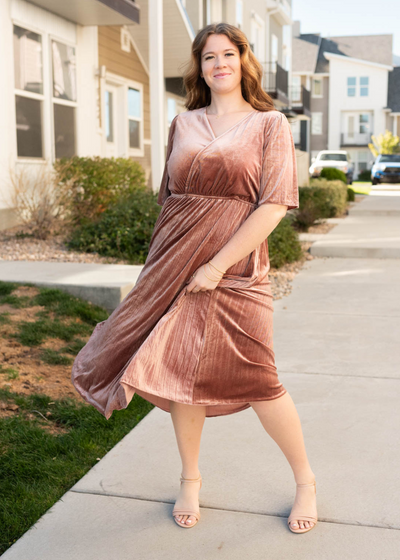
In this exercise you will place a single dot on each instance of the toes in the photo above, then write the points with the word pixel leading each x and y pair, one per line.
pixel 189 520
pixel 294 524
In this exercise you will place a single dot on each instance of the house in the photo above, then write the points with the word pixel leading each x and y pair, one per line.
pixel 349 82
pixel 97 79
pixel 393 103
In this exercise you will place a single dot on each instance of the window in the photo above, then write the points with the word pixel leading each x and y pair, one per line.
pixel 351 126
pixel 316 123
pixel 364 122
pixel 296 88
pixel 171 109
pixel 28 70
pixel 351 87
pixel 134 117
pixel 295 126
pixel 317 87
pixel 364 84
pixel 333 157
pixel 64 98
pixel 274 52
pixel 31 118
pixel 109 116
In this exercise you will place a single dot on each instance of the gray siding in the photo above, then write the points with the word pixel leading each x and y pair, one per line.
pixel 321 105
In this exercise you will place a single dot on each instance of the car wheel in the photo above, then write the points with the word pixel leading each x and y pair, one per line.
pixel 375 182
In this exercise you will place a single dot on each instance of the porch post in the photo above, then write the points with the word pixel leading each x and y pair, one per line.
pixel 157 87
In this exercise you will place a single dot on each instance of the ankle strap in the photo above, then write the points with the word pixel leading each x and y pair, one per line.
pixel 190 479
pixel 310 484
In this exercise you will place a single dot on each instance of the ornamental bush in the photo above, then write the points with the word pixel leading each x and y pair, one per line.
pixel 351 195
pixel 364 175
pixel 123 230
pixel 91 185
pixel 283 244
pixel 333 174
pixel 322 199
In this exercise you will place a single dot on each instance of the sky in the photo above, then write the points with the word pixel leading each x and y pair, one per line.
pixel 349 17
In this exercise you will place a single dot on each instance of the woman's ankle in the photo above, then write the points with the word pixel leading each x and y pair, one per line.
pixel 304 477
pixel 192 474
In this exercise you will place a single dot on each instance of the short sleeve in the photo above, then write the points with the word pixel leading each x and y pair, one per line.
pixel 164 191
pixel 279 167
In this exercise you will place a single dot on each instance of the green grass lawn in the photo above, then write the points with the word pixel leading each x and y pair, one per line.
pixel 361 187
pixel 47 444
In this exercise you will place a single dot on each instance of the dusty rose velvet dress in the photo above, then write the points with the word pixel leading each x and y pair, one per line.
pixel 212 348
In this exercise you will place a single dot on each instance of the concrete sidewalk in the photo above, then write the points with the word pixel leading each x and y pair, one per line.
pixel 101 284
pixel 337 353
pixel 371 230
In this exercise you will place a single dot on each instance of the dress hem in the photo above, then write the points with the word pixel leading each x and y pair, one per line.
pixel 246 404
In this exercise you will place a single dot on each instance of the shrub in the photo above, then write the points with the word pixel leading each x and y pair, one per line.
pixel 322 199
pixel 283 244
pixel 123 230
pixel 333 174
pixel 35 199
pixel 364 175
pixel 91 185
pixel 351 195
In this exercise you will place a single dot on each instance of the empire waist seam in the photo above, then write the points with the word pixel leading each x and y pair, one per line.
pixel 180 195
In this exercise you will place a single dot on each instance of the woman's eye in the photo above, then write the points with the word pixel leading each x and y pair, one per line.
pixel 227 54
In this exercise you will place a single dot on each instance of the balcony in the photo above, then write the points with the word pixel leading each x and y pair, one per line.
pixel 300 100
pixel 94 12
pixel 281 9
pixel 355 139
pixel 275 81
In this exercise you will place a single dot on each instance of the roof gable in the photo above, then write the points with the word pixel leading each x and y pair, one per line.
pixel 308 50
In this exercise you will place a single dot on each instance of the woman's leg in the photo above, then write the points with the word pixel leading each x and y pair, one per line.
pixel 188 421
pixel 281 421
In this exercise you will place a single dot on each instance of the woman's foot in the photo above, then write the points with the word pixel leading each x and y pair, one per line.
pixel 305 502
pixel 188 498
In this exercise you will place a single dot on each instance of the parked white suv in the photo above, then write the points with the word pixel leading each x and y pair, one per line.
pixel 339 159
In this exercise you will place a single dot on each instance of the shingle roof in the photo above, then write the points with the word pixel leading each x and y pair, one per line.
pixel 308 50
pixel 305 52
pixel 394 90
pixel 330 46
pixel 374 48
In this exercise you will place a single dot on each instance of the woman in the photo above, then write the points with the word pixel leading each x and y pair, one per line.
pixel 194 336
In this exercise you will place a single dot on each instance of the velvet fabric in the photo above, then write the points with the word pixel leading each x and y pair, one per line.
pixel 212 348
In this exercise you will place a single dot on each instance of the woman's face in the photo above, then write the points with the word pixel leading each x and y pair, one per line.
pixel 220 64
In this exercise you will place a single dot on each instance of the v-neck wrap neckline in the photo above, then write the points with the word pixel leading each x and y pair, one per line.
pixel 229 129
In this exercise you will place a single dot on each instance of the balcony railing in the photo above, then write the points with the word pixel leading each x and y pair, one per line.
pixel 355 138
pixel 300 97
pixel 275 80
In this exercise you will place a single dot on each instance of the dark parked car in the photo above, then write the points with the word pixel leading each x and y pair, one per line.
pixel 386 169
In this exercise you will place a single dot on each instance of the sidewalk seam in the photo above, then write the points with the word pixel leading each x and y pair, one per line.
pixel 320 520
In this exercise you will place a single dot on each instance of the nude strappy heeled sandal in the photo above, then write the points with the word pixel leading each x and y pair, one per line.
pixel 195 514
pixel 299 517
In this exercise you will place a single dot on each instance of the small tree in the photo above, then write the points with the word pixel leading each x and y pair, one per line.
pixel 385 144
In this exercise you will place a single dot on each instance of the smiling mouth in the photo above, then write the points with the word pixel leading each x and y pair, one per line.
pixel 221 75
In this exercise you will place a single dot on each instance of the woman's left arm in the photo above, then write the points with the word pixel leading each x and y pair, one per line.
pixel 254 230
pixel 278 193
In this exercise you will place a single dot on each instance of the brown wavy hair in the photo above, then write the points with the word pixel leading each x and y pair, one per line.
pixel 198 94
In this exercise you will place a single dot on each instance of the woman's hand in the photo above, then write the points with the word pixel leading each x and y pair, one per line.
pixel 200 282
